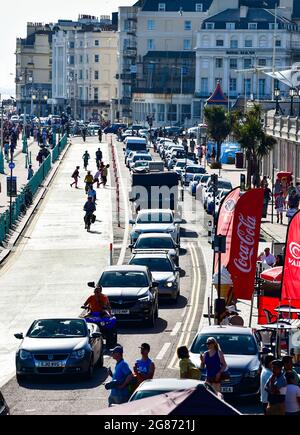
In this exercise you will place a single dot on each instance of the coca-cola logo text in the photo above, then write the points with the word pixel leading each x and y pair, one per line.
pixel 295 250
pixel 246 234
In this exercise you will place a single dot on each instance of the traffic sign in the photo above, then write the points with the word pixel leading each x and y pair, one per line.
pixel 11 165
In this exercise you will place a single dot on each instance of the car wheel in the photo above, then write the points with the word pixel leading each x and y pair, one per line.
pixel 100 361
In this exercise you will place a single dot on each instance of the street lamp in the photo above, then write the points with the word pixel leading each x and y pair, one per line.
pixel 30 80
pixel 292 93
pixel 277 95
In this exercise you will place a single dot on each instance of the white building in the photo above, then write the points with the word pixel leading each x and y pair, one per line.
pixel 85 68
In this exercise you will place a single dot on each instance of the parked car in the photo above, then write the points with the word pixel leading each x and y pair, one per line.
pixel 4 409
pixel 195 181
pixel 157 242
pixel 131 155
pixel 180 166
pixel 132 293
pixel 241 351
pixel 59 347
pixel 208 190
pixel 188 174
pixel 155 387
pixel 140 167
pixel 138 157
pixel 155 221
pixel 163 270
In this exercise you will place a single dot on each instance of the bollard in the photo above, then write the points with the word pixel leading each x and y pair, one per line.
pixel 111 254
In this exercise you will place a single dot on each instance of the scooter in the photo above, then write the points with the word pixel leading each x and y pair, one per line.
pixel 107 325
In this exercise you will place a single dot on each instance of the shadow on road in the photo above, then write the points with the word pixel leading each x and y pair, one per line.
pixel 165 304
pixel 66 382
pixel 190 235
pixel 161 326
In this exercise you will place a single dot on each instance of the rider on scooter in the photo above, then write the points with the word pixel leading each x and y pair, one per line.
pixel 98 302
pixel 89 209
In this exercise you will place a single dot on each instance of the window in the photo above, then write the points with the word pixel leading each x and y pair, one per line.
pixel 247 86
pixel 87 58
pixel 248 43
pixel 162 7
pixel 272 26
pixel 199 7
pixel 219 62
pixel 263 43
pixel 204 85
pixel 87 74
pixel 187 25
pixel 150 44
pixel 219 43
pixel 96 42
pixel 234 43
pixel 50 75
pixel 71 44
pixel 252 26
pixel 187 44
pixel 71 60
pixel 247 63
pixel 81 59
pixel 205 63
pixel 81 93
pixel 233 64
pixel 151 25
pixel 232 85
pixel 262 87
pixel 278 43
pixel 96 58
pixel 262 62
pixel 230 26
pixel 96 94
pixel 80 74
pixel 96 75
pixel 81 43
pixel 161 112
pixel 209 26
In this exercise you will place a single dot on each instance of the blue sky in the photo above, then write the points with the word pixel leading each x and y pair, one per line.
pixel 14 16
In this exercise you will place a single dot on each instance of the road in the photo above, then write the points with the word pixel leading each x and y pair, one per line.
pixel 47 275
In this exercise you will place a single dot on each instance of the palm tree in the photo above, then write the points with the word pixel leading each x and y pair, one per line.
pixel 219 125
pixel 249 132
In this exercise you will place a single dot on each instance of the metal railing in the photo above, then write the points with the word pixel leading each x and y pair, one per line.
pixel 24 198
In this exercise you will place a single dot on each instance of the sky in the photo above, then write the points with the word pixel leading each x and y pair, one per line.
pixel 14 17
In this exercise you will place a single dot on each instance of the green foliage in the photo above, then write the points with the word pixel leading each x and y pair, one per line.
pixel 219 125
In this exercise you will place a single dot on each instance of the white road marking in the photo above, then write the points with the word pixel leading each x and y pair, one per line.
pixel 164 350
pixel 176 329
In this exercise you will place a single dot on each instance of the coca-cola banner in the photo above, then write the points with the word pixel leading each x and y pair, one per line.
pixel 225 223
pixel 244 244
pixel 291 270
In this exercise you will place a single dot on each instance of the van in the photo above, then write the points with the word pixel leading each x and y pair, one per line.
pixel 133 143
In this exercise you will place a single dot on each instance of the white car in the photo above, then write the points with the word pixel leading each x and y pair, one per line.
pixel 137 157
pixel 188 174
pixel 129 159
pixel 155 221
pixel 15 118
pixel 180 166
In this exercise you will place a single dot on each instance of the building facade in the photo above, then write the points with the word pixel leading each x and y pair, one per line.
pixel 235 46
pixel 85 68
pixel 34 70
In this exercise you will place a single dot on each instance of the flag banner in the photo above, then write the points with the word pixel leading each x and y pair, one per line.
pixel 291 270
pixel 244 243
pixel 267 306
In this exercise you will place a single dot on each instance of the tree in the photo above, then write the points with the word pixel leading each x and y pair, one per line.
pixel 219 125
pixel 249 132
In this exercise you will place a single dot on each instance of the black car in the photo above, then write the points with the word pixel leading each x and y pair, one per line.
pixel 173 131
pixel 4 409
pixel 113 129
pixel 132 293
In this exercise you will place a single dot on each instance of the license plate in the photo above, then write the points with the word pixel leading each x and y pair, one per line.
pixel 124 312
pixel 51 364
pixel 226 389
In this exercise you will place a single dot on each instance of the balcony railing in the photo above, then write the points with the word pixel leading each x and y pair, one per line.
pixel 283 127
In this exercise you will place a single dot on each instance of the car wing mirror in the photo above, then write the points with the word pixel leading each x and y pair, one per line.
pixel 19 336
pixel 91 284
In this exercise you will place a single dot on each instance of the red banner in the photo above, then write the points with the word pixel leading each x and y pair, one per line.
pixel 244 244
pixel 291 270
pixel 225 223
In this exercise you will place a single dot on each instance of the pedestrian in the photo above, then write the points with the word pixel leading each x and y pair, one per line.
pixel 277 188
pixel 279 207
pixel 267 197
pixel 292 397
pixel 93 194
pixel 297 188
pixel 144 367
pixel 291 188
pixel 89 208
pixel 276 388
pixel 89 180
pixel 213 155
pixel 265 375
pixel 97 178
pixel 40 157
pixel 6 149
pixel 121 378
pixel 200 153
pixel 99 156
pixel 75 175
pixel 264 182
pixel 100 135
pixel 192 146
pixel 86 157
pixel 104 174
pixel 188 370
pixel 30 172
pixel 215 364
pixel 288 368
pixel 293 205
pixel 279 261
pixel 267 258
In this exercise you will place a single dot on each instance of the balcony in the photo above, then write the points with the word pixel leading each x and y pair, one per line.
pixel 130 52
pixel 93 103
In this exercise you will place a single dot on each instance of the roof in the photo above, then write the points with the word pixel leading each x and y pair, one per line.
pixel 175 5
pixel 218 97
pixel 151 254
pixel 158 235
pixel 296 11
pixel 126 268
pixel 215 329
pixel 168 384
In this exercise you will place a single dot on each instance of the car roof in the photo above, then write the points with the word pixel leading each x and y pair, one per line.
pixel 151 255
pixel 136 139
pixel 126 268
pixel 215 329
pixel 194 166
pixel 155 235
pixel 168 384
pixel 156 211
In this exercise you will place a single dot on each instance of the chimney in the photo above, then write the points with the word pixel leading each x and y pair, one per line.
pixel 243 11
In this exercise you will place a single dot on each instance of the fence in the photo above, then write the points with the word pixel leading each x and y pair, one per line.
pixel 24 198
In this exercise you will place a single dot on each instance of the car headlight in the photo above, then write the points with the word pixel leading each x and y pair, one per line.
pixel 78 354
pixel 145 299
pixel 24 355
pixel 170 284
pixel 252 374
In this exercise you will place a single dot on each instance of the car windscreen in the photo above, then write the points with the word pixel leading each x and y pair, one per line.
pixel 180 165
pixel 204 178
pixel 143 157
pixel 195 170
pixel 154 264
pixel 155 243
pixel 136 146
pixel 141 163
pixel 124 279
pixel 155 218
pixel 224 185
pixel 230 344
pixel 143 394
pixel 57 329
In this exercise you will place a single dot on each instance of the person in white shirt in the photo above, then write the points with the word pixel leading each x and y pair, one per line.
pixel 268 258
pixel 265 375
pixel 292 397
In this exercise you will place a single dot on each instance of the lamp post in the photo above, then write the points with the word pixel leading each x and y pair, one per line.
pixel 292 93
pixel 30 79
pixel 2 134
pixel 277 95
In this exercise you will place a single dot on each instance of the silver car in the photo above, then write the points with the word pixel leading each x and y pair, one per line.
pixel 59 347
pixel 157 242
